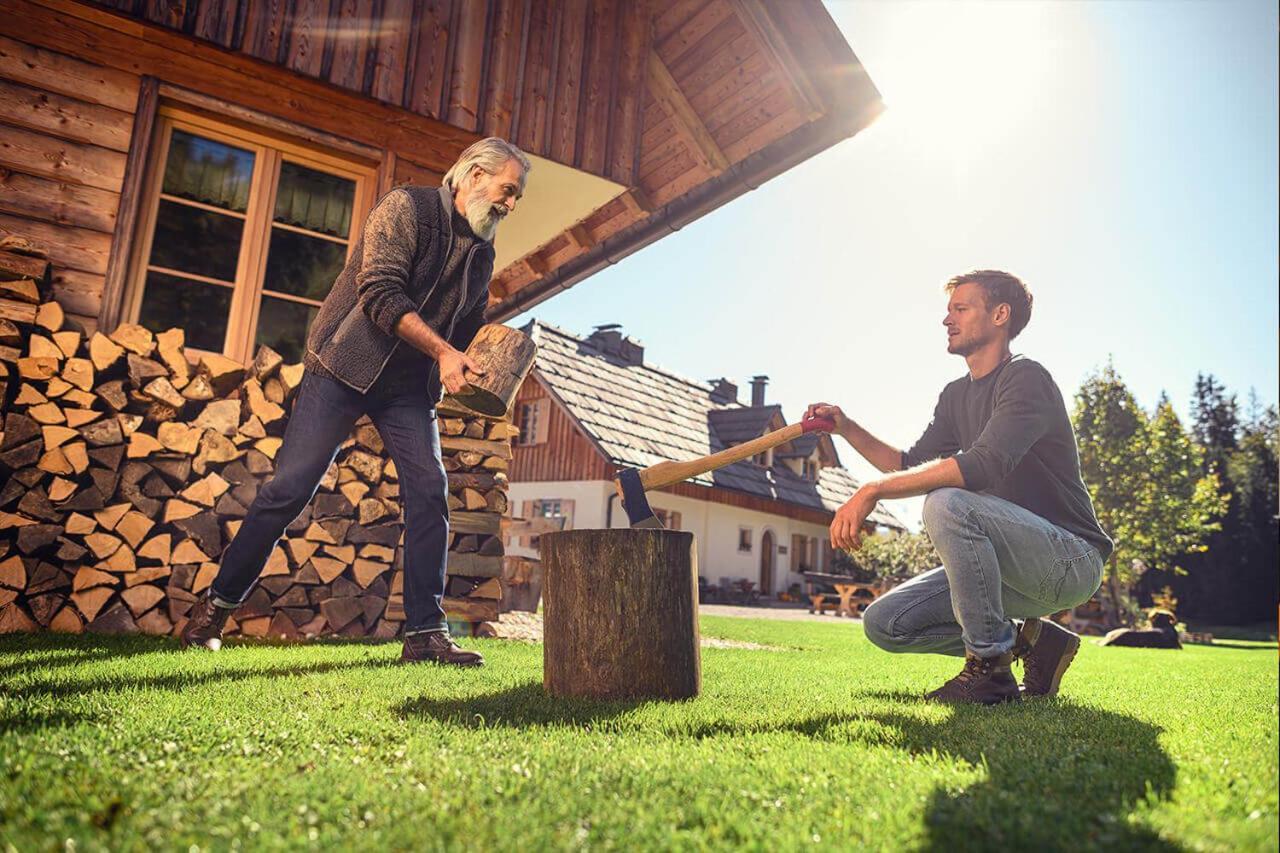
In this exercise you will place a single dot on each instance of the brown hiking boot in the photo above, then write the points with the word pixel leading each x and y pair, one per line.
pixel 984 681
pixel 1046 650
pixel 437 647
pixel 204 624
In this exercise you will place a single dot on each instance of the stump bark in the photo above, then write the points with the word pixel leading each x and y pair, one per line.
pixel 620 614
pixel 506 355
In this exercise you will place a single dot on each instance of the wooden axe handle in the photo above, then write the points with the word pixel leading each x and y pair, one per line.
pixel 669 473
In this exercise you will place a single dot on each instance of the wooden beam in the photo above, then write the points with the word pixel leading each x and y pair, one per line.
pixel 759 22
pixel 82 30
pixel 144 119
pixel 688 124
pixel 538 264
pixel 581 237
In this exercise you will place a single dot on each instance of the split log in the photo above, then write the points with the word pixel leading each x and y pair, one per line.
pixel 506 354
pixel 620 614
pixel 134 338
pixel 104 352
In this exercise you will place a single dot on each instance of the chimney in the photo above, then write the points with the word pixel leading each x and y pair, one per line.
pixel 757 390
pixel 723 391
pixel 610 340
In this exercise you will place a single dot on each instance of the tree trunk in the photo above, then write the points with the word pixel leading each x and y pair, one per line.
pixel 621 614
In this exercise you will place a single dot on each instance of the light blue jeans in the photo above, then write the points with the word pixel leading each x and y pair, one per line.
pixel 999 561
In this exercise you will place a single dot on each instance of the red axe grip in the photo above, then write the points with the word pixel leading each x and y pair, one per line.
pixel 817 425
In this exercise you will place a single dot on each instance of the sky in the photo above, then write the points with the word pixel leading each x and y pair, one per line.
pixel 1120 157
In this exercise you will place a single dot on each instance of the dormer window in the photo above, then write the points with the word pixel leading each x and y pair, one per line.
pixel 809 470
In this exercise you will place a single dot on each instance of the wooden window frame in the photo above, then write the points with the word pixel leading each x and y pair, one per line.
pixel 541 408
pixel 270 151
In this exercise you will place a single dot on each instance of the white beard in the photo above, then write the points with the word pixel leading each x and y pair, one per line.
pixel 483 217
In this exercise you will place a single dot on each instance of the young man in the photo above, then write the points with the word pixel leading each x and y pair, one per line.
pixel 1005 507
pixel 392 330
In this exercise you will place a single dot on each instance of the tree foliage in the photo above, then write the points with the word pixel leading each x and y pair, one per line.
pixel 1146 478
pixel 898 555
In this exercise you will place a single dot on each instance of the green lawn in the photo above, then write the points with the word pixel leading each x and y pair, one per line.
pixel 125 743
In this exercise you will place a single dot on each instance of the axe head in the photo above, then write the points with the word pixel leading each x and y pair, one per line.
pixel 634 500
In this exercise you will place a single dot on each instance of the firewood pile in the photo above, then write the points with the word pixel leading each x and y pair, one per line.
pixel 127 469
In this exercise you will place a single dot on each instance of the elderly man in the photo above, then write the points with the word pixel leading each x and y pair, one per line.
pixel 391 332
pixel 1005 507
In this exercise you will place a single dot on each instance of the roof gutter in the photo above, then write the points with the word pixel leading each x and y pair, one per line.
pixel 745 175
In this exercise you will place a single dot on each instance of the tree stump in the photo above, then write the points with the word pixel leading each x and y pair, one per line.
pixel 506 355
pixel 620 614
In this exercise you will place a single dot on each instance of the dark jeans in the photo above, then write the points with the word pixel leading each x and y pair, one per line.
pixel 323 415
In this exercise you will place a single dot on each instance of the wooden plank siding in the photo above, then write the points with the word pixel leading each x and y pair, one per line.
pixel 488 68
pixel 415 81
pixel 65 126
pixel 566 454
pixel 740 71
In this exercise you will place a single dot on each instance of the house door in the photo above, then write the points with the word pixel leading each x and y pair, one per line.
pixel 766 563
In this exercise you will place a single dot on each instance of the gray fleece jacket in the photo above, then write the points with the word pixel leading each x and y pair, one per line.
pixel 395 268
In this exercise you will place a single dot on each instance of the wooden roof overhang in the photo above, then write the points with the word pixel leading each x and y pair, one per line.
pixel 644 115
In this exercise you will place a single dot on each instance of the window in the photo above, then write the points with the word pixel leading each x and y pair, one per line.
pixel 532 421
pixel 810 470
pixel 547 509
pixel 561 508
pixel 241 235
pixel 669 519
pixel 744 538
pixel 800 558
pixel 764 459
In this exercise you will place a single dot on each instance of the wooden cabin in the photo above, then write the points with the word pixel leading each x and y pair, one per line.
pixel 207 163
pixel 592 405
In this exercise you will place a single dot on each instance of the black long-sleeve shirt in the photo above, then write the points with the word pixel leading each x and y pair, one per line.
pixel 1010 434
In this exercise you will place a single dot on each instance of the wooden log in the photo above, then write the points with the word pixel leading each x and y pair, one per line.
pixel 104 352
pixel 500 449
pixel 506 355
pixel 620 614
pixel 15 266
pixel 470 610
pixel 222 373
pixel 134 338
pixel 487 523
pixel 22 290
pixel 13 619
pixel 474 565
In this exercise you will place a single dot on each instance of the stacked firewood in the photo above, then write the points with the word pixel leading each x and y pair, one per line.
pixel 127 469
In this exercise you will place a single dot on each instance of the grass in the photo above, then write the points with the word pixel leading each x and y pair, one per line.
pixel 125 743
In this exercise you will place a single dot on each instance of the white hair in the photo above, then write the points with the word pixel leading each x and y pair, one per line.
pixel 489 154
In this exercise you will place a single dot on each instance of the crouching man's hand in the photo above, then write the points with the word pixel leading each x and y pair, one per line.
pixel 826 410
pixel 452 366
pixel 846 527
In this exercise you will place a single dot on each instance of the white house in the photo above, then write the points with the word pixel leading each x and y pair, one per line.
pixel 592 405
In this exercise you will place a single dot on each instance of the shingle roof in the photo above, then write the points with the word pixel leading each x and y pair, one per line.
pixel 734 426
pixel 640 414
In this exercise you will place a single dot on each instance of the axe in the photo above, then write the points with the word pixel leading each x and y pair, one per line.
pixel 632 483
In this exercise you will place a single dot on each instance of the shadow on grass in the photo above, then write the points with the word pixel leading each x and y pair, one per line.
pixel 523 706
pixel 75 650
pixel 1057 775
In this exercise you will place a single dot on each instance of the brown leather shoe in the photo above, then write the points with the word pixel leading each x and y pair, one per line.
pixel 204 624
pixel 983 681
pixel 1046 650
pixel 438 647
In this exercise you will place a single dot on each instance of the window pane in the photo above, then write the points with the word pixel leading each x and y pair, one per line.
pixel 315 200
pixel 207 171
pixel 302 266
pixel 283 325
pixel 199 309
pixel 196 241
